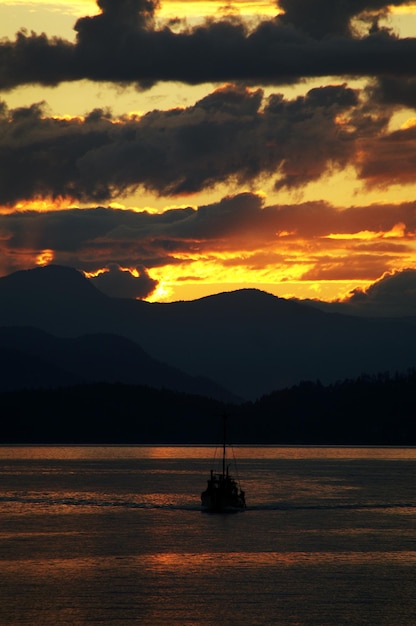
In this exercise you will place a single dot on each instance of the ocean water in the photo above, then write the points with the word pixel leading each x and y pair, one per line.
pixel 115 536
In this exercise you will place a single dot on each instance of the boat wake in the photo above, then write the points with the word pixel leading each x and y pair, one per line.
pixel 332 506
pixel 179 506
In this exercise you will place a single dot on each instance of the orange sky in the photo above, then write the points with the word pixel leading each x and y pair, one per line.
pixel 208 176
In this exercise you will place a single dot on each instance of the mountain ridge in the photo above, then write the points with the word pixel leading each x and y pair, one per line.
pixel 37 359
pixel 248 341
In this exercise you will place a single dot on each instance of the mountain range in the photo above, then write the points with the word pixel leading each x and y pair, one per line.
pixel 33 359
pixel 57 329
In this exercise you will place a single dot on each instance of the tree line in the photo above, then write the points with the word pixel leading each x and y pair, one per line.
pixel 368 410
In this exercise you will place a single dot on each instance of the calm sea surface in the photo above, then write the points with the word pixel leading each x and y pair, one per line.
pixel 115 535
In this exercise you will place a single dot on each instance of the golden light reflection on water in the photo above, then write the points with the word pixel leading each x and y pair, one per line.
pixel 203 452
pixel 223 560
pixel 210 561
pixel 88 535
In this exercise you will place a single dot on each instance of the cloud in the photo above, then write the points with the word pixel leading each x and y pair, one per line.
pixel 232 135
pixel 393 295
pixel 130 15
pixel 122 45
pixel 119 283
pixel 33 58
pixel 321 18
pixel 389 159
pixel 136 238
pixel 238 231
pixel 235 135
pixel 393 90
pixel 93 238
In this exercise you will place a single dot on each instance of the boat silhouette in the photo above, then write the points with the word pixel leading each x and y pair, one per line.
pixel 223 493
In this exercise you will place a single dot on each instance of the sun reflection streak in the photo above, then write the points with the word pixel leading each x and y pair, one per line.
pixel 188 562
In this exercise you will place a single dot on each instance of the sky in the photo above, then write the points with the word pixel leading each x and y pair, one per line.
pixel 172 150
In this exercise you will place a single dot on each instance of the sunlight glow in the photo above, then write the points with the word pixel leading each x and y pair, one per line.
pixel 169 9
pixel 77 8
pixel 327 291
pixel 398 231
pixel 208 272
pixel 409 123
pixel 45 257
pixel 40 205
pixel 199 10
pixel 408 8
pixel 95 273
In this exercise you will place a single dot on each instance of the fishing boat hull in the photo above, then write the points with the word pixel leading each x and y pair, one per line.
pixel 221 505
pixel 222 495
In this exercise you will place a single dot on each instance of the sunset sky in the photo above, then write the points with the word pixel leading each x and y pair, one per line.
pixel 177 149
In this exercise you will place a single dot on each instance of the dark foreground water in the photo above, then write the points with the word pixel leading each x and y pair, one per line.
pixel 115 536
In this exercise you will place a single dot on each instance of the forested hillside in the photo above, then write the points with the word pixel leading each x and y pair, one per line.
pixel 369 410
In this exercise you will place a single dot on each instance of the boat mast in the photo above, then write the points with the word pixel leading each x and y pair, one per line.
pixel 224 444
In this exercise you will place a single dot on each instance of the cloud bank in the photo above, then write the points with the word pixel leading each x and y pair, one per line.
pixel 238 231
pixel 233 135
pixel 121 44
pixel 241 134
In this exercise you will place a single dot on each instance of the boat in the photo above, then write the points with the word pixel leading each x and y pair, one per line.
pixel 223 493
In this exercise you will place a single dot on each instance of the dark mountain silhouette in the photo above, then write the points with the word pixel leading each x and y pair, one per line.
pixel 21 370
pixel 248 341
pixel 31 358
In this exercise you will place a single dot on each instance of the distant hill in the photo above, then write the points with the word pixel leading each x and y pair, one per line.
pixel 248 342
pixel 31 358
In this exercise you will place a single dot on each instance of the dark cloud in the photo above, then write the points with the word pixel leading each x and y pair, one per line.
pixel 91 239
pixel 389 159
pixel 143 235
pixel 394 91
pixel 230 217
pixel 119 283
pixel 321 18
pixel 122 45
pixel 33 58
pixel 392 295
pixel 231 135
pixel 126 15
pixel 39 154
